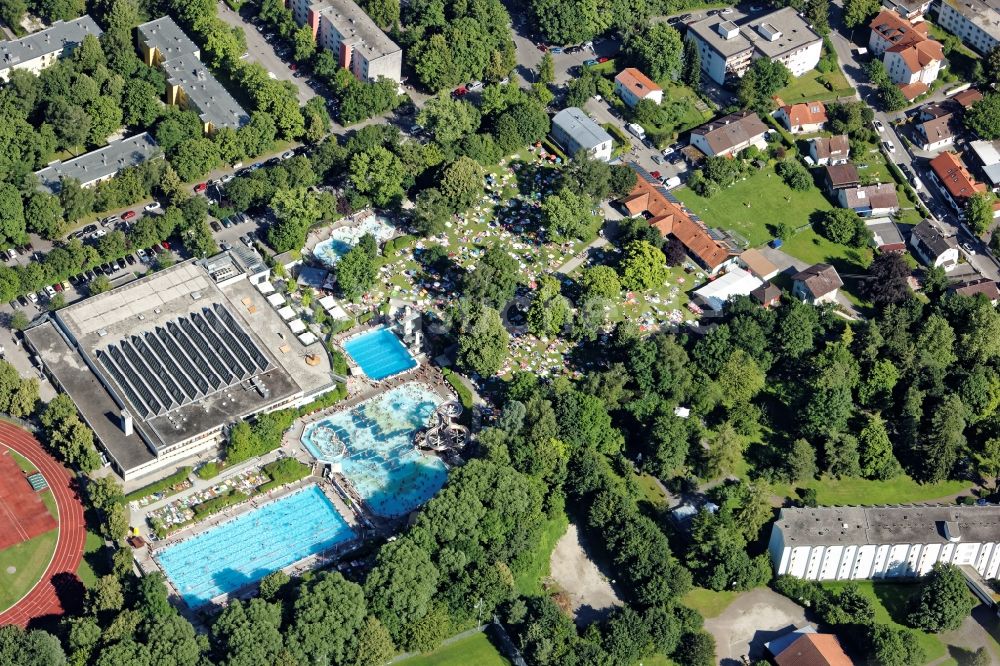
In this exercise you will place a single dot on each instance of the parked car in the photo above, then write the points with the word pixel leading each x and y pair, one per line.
pixel 111 219
pixel 57 286
pixel 288 154
pixel 655 174
pixel 460 91
pixel 475 85
pixel 12 253
pixel 889 146
pixel 200 187
pixel 228 222
pixel 141 253
pixel 33 297
pixel 151 206
pixel 22 301
pixel 128 215
pixel 130 259
pixel 49 291
pixel 225 179
pixel 657 159
pixel 602 59
pixel 90 228
pixel 556 49
pixel 969 249
pixel 216 226
pixel 590 62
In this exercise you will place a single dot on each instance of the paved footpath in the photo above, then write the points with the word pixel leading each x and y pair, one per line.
pixel 44 598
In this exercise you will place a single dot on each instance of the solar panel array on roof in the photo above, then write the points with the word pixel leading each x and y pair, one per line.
pixel 183 360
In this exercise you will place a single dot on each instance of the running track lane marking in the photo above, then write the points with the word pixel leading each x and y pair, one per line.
pixel 42 599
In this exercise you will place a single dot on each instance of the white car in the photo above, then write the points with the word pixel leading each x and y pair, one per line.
pixel 288 154
pixel 475 85
pixel 668 151
pixel 33 297
pixel 49 291
pixel 879 127
pixel 225 179
pixel 155 205
pixel 889 146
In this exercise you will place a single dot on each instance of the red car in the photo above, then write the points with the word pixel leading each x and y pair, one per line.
pixel 128 215
pixel 655 174
pixel 461 91
pixel 200 187
pixel 542 47
pixel 166 245
pixel 293 67
pixel 602 60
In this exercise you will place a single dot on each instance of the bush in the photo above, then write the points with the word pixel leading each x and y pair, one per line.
pixel 394 246
pixel 464 394
pixel 208 470
pixel 339 362
pixel 326 400
pixel 284 471
pixel 155 487
pixel 217 504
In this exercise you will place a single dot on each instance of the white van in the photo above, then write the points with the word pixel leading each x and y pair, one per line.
pixel 636 130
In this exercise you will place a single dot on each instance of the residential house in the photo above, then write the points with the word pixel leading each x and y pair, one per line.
pixel 804 118
pixel 39 50
pixel 767 295
pixel 935 245
pixel 908 9
pixel 730 134
pixel 911 57
pixel 727 48
pixel 633 86
pixel 806 647
pixel 708 249
pixel 870 200
pixel 840 176
pixel 736 282
pixel 975 22
pixel 884 542
pixel 967 98
pixel 345 30
pixel 190 84
pixel 988 155
pixel 938 132
pixel 956 181
pixel 99 165
pixel 830 150
pixel 755 262
pixel 885 235
pixel 984 286
pixel 817 284
pixel 574 131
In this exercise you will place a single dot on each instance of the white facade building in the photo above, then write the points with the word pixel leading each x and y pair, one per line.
pixel 343 28
pixel 727 49
pixel 39 50
pixel 856 543
pixel 975 22
pixel 574 131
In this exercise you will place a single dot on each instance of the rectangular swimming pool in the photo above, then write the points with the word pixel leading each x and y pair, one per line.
pixel 380 354
pixel 245 549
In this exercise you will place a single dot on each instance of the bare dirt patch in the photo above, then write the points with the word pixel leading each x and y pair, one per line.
pixel 750 621
pixel 586 591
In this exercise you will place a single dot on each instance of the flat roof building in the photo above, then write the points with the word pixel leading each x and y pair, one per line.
pixel 736 282
pixel 160 366
pixel 574 131
pixel 858 542
pixel 988 154
pixel 975 22
pixel 190 84
pixel 101 164
pixel 727 49
pixel 344 29
pixel 39 50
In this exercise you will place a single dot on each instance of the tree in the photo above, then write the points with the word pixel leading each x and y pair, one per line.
pixel 549 310
pixel 327 613
pixel 818 15
pixel 643 267
pixel 379 174
pixel 697 648
pixel 888 283
pixel 448 118
pixel 600 282
pixel 462 183
pixel 482 344
pixel 802 461
pixel 764 78
pixel 944 439
pixel 546 69
pixel 857 12
pixel 375 646
pixel 495 278
pixel 979 211
pixel 105 595
pixel 402 584
pixel 12 229
pixel 691 72
pixel 356 271
pixel 44 215
pixel 875 451
pixel 19 321
pixel 877 386
pixel 30 647
pixel 303 44
pixel 195 157
pixel 740 379
pixel 724 452
pixel 991 65
pixel 385 13
pixel 431 212
pixel 984 117
pixel 656 50
pixel 795 175
pixel 565 215
pixel 944 600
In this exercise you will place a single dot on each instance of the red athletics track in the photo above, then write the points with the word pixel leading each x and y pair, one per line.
pixel 42 600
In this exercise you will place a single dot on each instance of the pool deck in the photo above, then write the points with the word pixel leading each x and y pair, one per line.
pixel 355 518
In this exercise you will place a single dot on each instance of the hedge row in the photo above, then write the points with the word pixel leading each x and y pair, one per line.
pixel 157 486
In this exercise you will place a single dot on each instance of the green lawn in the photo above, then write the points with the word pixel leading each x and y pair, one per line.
pixel 475 649
pixel 651 491
pixel 811 87
pixel 93 564
pixel 864 491
pixel 708 603
pixel 29 558
pixel 890 601
pixel 750 205
pixel 529 581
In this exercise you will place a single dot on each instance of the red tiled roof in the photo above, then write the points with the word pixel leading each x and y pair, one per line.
pixel 814 650
pixel 956 178
pixel 670 220
pixel 968 97
pixel 640 84
pixel 805 113
pixel 911 91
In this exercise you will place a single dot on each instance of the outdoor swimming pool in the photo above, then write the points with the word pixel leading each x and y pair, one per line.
pixel 373 444
pixel 341 240
pixel 249 547
pixel 380 354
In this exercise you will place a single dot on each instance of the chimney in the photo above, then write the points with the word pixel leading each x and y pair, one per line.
pixel 127 423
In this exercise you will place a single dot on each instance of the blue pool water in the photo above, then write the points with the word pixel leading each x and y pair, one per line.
pixel 380 354
pixel 373 442
pixel 344 238
pixel 249 547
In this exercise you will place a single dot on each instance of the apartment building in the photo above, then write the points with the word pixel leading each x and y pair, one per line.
pixel 344 29
pixel 975 22
pixel 955 179
pixel 39 50
pixel 101 164
pixel 856 542
pixel 912 59
pixel 190 84
pixel 730 134
pixel 574 131
pixel 728 48
pixel 633 86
